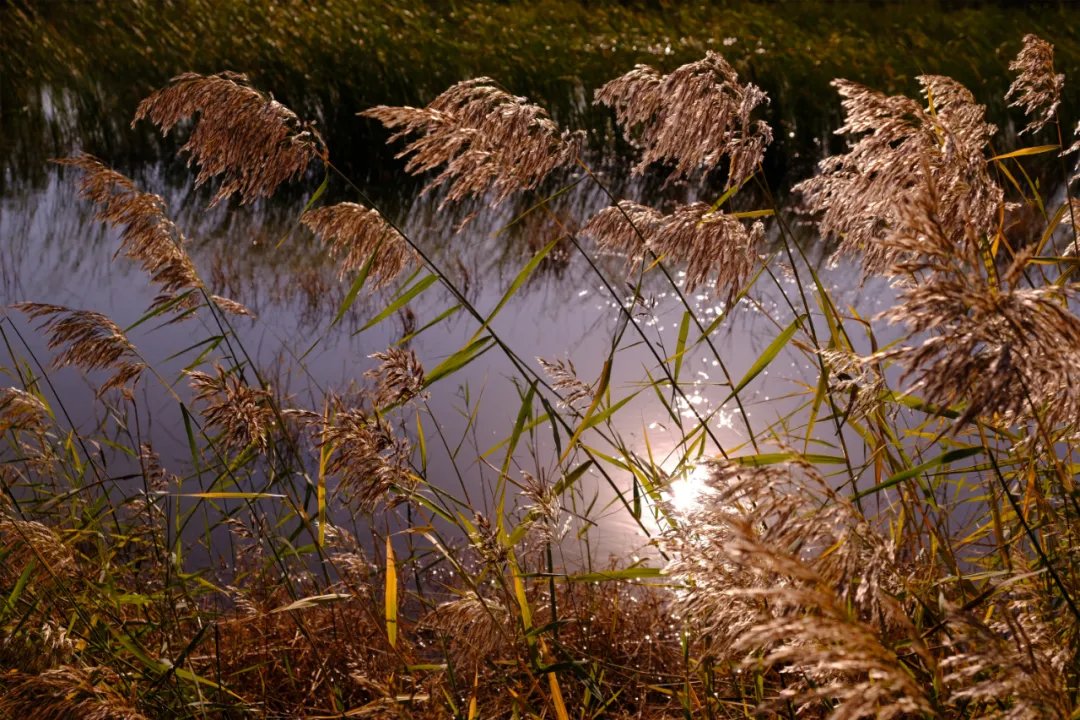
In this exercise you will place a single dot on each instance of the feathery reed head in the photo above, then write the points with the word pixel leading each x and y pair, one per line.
pixel 904 148
pixel 1037 88
pixel 1013 353
pixel 400 376
pixel 26 541
pixel 147 234
pixel 357 235
pixel 254 142
pixel 367 457
pixel 487 140
pixel 90 341
pixel 242 414
pixel 693 117
pixel 714 245
pixel 93 693
pixel 20 410
pixel 575 391
pixel 478 629
pixel 781 569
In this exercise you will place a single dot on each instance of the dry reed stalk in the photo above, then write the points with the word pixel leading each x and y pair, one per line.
pixel 65 693
pixel 715 246
pixel 358 235
pixel 1037 88
pixel 399 376
pixel 861 195
pixel 693 117
pixel 93 342
pixel 487 141
pixel 252 141
pixel 242 414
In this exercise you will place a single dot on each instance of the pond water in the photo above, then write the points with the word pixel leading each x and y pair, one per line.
pixel 52 250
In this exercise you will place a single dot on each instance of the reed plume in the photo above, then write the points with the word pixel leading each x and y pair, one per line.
pixel 90 341
pixel 20 410
pixel 479 630
pixel 93 693
pixel 779 568
pixel 26 541
pixel 715 246
pixel 399 376
pixel 243 415
pixel 1037 88
pixel 251 140
pixel 566 381
pixel 147 235
pixel 366 456
pixel 358 235
pixel 861 195
pixel 1012 667
pixel 488 142
pixel 692 118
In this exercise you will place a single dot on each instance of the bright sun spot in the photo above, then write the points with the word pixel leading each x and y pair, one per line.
pixel 685 493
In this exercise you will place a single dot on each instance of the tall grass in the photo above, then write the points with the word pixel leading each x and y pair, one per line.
pixel 902 542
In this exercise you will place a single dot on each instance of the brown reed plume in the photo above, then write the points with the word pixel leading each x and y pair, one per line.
pixel 90 341
pixel 366 455
pixel 1013 666
pixel 715 246
pixel 399 376
pixel 860 195
pixel 358 235
pixel 94 693
pixel 25 541
pixel 693 117
pixel 780 571
pixel 478 630
pixel 20 410
pixel 1037 88
pixel 242 414
pixel 565 380
pixel 252 141
pixel 487 141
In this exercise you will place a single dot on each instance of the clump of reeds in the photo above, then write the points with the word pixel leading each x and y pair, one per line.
pixel 488 142
pixel 252 141
pixel 867 593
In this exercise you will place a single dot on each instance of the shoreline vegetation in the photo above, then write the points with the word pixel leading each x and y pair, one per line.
pixel 904 544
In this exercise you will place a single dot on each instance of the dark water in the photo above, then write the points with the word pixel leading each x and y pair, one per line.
pixel 52 250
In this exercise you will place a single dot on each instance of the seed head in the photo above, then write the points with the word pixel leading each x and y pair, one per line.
pixel 694 117
pixel 252 141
